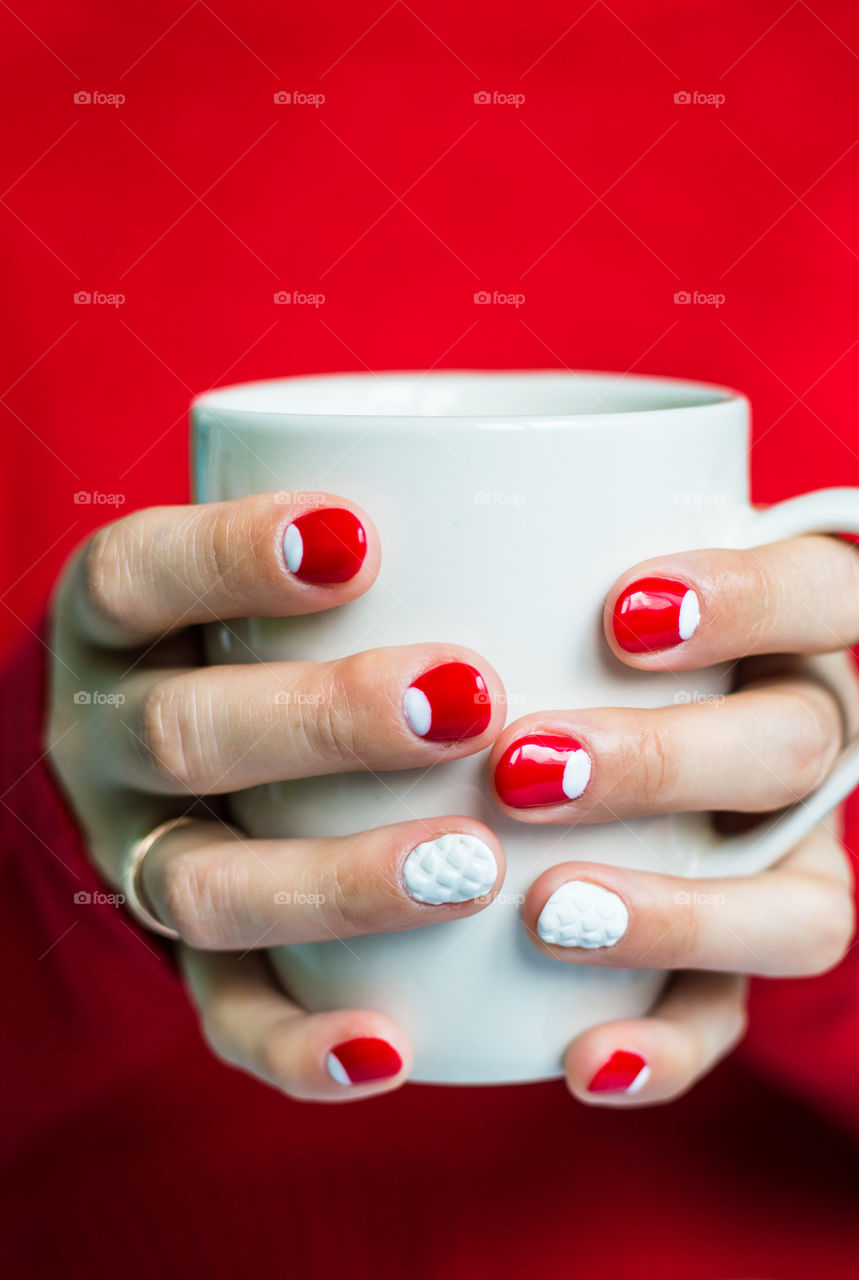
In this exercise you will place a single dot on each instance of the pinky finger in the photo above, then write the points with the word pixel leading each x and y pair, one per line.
pixel 250 1023
pixel 645 1061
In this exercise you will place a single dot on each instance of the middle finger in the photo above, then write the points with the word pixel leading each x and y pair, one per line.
pixel 220 729
pixel 753 751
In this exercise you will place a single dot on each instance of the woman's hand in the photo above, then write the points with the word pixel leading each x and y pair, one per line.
pixel 140 732
pixel 766 745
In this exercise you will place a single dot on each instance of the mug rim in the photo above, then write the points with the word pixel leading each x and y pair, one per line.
pixel 254 398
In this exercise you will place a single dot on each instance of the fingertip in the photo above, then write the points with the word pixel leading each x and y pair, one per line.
pixel 651 614
pixel 616 1064
pixel 327 545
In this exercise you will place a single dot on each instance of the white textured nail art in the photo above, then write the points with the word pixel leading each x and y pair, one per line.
pixel 293 548
pixel 453 868
pixel 690 615
pixel 581 914
pixel 418 711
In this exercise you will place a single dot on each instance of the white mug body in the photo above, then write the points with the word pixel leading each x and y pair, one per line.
pixel 507 504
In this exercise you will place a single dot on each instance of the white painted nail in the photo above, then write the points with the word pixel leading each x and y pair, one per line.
pixel 418 711
pixel 690 615
pixel 581 914
pixel 336 1069
pixel 640 1080
pixel 293 548
pixel 577 773
pixel 452 868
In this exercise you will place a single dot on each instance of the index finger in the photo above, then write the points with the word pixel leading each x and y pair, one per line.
pixel 698 608
pixel 271 555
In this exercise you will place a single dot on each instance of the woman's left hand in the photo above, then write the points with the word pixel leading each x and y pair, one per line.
pixel 770 610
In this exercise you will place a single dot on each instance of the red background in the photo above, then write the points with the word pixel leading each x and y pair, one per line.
pixel 133 1151
pixel 598 198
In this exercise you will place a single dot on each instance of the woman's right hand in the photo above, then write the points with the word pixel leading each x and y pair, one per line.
pixel 140 732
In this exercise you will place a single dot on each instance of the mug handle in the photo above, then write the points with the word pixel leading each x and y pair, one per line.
pixel 824 511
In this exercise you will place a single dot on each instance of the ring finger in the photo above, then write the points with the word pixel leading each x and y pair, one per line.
pixel 222 891
pixel 219 729
pixel 794 920
pixel 753 751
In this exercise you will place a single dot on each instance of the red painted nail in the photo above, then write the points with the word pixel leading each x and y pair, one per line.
pixel 363 1060
pixel 448 702
pixel 326 545
pixel 655 613
pixel 624 1072
pixel 543 769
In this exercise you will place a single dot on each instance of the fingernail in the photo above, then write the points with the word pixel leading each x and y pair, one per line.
pixel 326 545
pixel 363 1060
pixel 452 868
pixel 624 1072
pixel 542 769
pixel 447 703
pixel 581 914
pixel 655 613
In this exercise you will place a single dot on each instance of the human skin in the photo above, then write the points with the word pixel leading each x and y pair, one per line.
pixel 125 621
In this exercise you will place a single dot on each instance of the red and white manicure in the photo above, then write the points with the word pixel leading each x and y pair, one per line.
pixel 655 613
pixel 545 768
pixel 624 1072
pixel 364 1060
pixel 447 703
pixel 326 545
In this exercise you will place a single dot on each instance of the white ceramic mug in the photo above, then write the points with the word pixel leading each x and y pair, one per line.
pixel 507 504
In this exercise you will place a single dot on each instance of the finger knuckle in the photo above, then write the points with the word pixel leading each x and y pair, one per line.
pixel 170 736
pixel 185 899
pixel 657 766
pixel 108 574
pixel 829 942
pixel 326 717
pixel 273 1059
pixel 808 741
